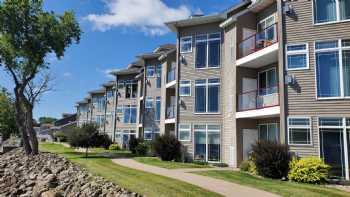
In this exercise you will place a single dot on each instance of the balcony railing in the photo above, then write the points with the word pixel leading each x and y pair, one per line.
pixel 171 75
pixel 170 112
pixel 258 99
pixel 258 41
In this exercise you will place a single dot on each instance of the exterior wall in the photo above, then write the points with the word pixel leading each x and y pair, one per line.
pixel 82 115
pixel 302 101
pixel 187 71
pixel 95 112
pixel 110 111
pixel 122 101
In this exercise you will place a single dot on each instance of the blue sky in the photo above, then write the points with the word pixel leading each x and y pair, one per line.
pixel 115 31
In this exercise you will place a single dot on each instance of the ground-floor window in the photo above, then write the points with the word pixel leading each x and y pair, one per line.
pixel 122 137
pixel 334 145
pixel 299 131
pixel 151 134
pixel 207 142
pixel 268 131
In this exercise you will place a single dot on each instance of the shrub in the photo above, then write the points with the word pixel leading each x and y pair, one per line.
pixel 84 137
pixel 133 142
pixel 60 136
pixel 114 147
pixel 308 170
pixel 102 140
pixel 244 166
pixel 248 166
pixel 271 159
pixel 167 147
pixel 142 149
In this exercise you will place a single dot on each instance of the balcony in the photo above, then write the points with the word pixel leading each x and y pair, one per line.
pixel 170 114
pixel 259 49
pixel 259 103
pixel 171 79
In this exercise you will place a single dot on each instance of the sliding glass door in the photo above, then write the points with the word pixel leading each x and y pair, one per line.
pixel 207 143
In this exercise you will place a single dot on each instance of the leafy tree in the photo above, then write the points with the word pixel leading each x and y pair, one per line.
pixel 7 115
pixel 28 34
pixel 167 147
pixel 47 120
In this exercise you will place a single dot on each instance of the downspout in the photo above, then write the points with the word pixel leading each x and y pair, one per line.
pixel 105 118
pixel 115 100
pixel 177 82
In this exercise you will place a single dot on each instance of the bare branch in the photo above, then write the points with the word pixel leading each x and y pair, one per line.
pixel 35 90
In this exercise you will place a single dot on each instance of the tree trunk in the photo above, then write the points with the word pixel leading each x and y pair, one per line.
pixel 20 121
pixel 30 130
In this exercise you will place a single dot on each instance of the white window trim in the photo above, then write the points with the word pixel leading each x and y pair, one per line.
pixel 299 52
pixel 186 130
pixel 338 49
pixel 338 20
pixel 186 42
pixel 206 138
pixel 185 86
pixel 130 107
pixel 207 50
pixel 300 127
pixel 154 71
pixel 206 85
pixel 149 99
pixel 265 71
pixel 158 99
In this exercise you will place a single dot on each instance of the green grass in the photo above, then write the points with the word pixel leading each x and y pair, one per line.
pixel 154 161
pixel 283 188
pixel 137 181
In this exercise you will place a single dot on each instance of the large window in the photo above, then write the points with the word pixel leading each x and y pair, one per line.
pixel 208 50
pixel 268 132
pixel 158 109
pixel 130 112
pixel 151 134
pixel 333 68
pixel 110 94
pixel 331 10
pixel 297 56
pixel 299 131
pixel 150 71
pixel 100 120
pixel 185 132
pixel 149 103
pixel 186 44
pixel 99 102
pixel 207 95
pixel 159 75
pixel 268 82
pixel 185 88
pixel 131 89
pixel 207 142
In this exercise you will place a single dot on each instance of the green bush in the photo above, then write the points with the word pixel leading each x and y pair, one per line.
pixel 60 136
pixel 308 170
pixel 168 148
pixel 102 140
pixel 133 142
pixel 248 166
pixel 114 147
pixel 142 149
pixel 271 159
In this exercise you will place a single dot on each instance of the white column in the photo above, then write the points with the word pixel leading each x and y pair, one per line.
pixel 345 150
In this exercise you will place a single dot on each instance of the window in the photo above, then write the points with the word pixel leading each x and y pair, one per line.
pixel 99 120
pixel 299 131
pixel 207 95
pixel 150 134
pixel 331 10
pixel 158 106
pixel 297 56
pixel 149 102
pixel 120 84
pixel 333 68
pixel 186 44
pixel 130 89
pixel 208 50
pixel 268 82
pixel 185 132
pixel 119 110
pixel 110 94
pixel 130 112
pixel 185 88
pixel 99 103
pixel 268 132
pixel 267 29
pixel 150 71
pixel 207 142
pixel 159 76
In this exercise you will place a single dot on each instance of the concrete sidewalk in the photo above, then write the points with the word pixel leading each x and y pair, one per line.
pixel 215 185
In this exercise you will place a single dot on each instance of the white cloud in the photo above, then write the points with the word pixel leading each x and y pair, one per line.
pixel 108 73
pixel 147 15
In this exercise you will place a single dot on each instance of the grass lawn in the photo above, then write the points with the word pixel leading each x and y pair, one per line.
pixel 283 188
pixel 154 161
pixel 137 181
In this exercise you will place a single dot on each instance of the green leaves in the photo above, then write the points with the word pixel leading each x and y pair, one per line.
pixel 7 115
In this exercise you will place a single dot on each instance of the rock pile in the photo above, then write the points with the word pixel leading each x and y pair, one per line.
pixel 49 175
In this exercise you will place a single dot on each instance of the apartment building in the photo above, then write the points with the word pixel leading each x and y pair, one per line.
pixel 127 95
pixel 110 103
pixel 82 112
pixel 158 115
pixel 98 110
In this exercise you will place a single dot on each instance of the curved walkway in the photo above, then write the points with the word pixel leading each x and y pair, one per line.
pixel 215 185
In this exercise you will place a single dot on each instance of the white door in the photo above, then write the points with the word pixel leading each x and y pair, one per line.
pixel 247 99
pixel 250 136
